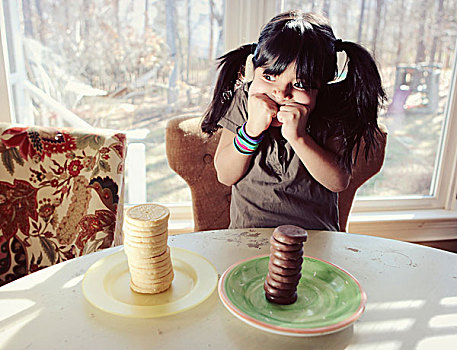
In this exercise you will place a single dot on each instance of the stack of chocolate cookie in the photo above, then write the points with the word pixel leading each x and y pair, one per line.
pixel 284 267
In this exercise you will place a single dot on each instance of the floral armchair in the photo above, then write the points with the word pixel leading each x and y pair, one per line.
pixel 61 195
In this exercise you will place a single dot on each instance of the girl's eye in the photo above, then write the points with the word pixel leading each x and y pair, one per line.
pixel 269 77
pixel 299 85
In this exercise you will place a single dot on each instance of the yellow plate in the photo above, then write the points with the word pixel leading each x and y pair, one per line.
pixel 106 286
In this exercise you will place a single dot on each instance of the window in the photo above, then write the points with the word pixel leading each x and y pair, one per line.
pixel 126 65
pixel 416 63
pixel 133 64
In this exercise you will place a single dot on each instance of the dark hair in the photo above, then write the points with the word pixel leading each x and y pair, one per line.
pixel 349 108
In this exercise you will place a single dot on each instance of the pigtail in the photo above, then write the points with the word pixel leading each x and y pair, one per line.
pixel 229 66
pixel 359 97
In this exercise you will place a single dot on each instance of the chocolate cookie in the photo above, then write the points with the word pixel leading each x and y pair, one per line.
pixel 288 264
pixel 284 247
pixel 280 285
pixel 285 279
pixel 290 234
pixel 294 255
pixel 282 300
pixel 283 271
pixel 276 292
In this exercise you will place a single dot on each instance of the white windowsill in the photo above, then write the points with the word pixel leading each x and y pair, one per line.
pixel 405 225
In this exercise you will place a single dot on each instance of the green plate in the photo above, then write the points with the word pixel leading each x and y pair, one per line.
pixel 329 298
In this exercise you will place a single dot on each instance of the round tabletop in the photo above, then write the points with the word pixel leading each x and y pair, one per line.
pixel 411 300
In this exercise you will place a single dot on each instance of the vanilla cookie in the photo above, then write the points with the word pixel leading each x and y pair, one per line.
pixel 159 288
pixel 147 215
pixel 152 240
pixel 133 250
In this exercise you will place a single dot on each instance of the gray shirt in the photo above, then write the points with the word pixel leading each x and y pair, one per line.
pixel 277 188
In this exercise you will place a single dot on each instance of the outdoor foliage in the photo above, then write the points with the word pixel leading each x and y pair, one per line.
pixel 133 64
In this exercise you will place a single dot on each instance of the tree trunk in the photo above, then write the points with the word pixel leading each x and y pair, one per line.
pixel 437 30
pixel 314 5
pixel 219 17
pixel 27 13
pixel 326 8
pixel 146 16
pixel 215 46
pixel 378 19
pixel 420 54
pixel 170 12
pixel 117 24
pixel 189 37
pixel 211 30
pixel 398 57
pixel 362 16
pixel 41 26
pixel 85 30
pixel 67 15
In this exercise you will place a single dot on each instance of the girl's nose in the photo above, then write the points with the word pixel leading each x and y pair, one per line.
pixel 281 93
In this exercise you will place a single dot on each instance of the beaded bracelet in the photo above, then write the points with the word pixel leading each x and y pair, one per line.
pixel 244 143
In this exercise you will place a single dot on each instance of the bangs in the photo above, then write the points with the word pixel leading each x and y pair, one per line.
pixel 299 44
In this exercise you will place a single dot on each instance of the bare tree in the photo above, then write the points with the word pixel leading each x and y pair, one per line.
pixel 67 15
pixel 170 11
pixel 420 53
pixel 41 23
pixel 189 37
pixel 27 13
pixel 314 5
pixel 437 30
pixel 326 8
pixel 377 24
pixel 362 17
pixel 146 16
pixel 398 56
pixel 213 16
pixel 85 19
pixel 117 24
pixel 211 30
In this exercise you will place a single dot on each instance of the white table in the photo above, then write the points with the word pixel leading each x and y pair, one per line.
pixel 411 289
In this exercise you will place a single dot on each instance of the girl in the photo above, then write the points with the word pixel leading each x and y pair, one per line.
pixel 290 133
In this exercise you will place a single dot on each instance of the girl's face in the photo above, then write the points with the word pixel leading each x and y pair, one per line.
pixel 284 88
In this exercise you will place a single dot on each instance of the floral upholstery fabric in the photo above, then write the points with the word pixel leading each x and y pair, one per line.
pixel 61 195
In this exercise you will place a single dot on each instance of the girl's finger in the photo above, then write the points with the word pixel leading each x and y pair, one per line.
pixel 284 116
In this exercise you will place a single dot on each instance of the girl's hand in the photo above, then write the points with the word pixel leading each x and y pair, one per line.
pixel 261 111
pixel 293 117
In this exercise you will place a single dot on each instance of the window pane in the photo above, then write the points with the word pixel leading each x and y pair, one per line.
pixel 12 61
pixel 124 64
pixel 414 45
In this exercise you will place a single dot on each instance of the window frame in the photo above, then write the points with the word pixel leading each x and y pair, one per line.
pixel 5 86
pixel 367 213
pixel 445 178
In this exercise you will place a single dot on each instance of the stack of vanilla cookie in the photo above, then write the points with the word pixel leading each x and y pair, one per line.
pixel 146 247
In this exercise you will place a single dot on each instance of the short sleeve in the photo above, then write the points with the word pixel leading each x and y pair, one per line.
pixel 237 113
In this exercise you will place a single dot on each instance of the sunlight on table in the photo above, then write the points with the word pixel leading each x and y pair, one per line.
pixel 388 326
pixel 444 321
pixel 73 282
pixel 450 301
pixel 13 306
pixel 438 342
pixel 384 345
pixel 21 322
pixel 396 305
